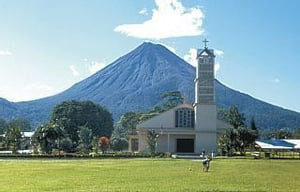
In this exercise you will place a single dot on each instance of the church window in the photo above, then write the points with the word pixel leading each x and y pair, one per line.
pixel 184 118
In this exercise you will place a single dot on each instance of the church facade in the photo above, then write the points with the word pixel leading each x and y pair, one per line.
pixel 188 128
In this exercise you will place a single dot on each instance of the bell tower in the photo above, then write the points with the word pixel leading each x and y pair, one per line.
pixel 205 106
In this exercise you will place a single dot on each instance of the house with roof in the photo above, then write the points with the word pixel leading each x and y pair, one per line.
pixel 279 147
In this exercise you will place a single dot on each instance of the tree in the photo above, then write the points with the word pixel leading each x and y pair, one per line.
pixel 253 124
pixel 125 126
pixel 296 134
pixel 119 140
pixel 224 144
pixel 239 137
pixel 73 114
pixel 119 143
pixel 48 136
pixel 157 109
pixel 254 129
pixel 3 126
pixel 146 116
pixel 85 139
pixel 22 123
pixel 171 99
pixel 174 98
pixel 103 143
pixel 228 141
pixel 128 122
pixel 13 138
pixel 235 118
pixel 152 137
pixel 66 145
pixel 119 132
pixel 282 134
pixel 246 138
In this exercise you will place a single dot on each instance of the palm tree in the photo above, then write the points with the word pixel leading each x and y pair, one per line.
pixel 49 136
pixel 13 138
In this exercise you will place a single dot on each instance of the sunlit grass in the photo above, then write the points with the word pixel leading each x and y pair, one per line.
pixel 149 175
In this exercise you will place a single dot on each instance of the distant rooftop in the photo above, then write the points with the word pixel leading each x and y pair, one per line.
pixel 279 144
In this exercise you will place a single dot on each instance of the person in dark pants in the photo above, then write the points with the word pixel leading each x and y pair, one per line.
pixel 206 164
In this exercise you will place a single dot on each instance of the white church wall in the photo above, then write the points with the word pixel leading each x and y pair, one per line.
pixel 206 117
pixel 163 120
pixel 164 146
pixel 206 142
pixel 143 146
pixel 165 143
pixel 166 119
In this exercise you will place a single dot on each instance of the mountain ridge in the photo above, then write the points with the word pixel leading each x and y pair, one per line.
pixel 133 82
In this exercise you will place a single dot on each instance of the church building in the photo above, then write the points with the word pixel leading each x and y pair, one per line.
pixel 188 128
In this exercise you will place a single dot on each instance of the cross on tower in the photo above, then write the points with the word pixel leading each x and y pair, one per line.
pixel 205 42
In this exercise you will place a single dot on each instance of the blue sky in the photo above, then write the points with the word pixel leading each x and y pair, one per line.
pixel 48 45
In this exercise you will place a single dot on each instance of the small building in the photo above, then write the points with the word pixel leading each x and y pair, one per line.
pixel 279 147
pixel 26 142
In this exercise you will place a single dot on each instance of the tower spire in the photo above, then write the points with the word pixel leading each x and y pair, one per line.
pixel 205 104
pixel 205 41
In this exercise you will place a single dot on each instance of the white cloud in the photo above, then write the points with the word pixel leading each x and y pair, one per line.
pixel 143 11
pixel 219 52
pixel 5 94
pixel 5 53
pixel 74 71
pixel 28 92
pixel 191 59
pixel 36 90
pixel 170 19
pixel 95 66
pixel 217 67
pixel 38 86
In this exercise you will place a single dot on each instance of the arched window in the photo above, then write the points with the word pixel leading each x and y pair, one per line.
pixel 184 118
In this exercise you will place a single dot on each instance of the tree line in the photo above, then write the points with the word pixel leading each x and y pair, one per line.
pixel 83 126
pixel 11 133
pixel 238 137
pixel 74 126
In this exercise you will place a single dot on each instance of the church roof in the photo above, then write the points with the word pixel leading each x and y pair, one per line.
pixel 207 51
pixel 184 105
pixel 163 119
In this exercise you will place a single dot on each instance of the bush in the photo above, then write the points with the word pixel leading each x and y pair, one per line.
pixel 66 145
pixel 119 144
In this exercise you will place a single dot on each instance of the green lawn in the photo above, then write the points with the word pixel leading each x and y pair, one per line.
pixel 149 175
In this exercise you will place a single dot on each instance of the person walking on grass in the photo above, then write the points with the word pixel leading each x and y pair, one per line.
pixel 206 164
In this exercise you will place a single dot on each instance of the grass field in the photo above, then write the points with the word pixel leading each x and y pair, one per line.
pixel 149 175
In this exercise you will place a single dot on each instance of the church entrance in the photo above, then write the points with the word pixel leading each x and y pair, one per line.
pixel 185 146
